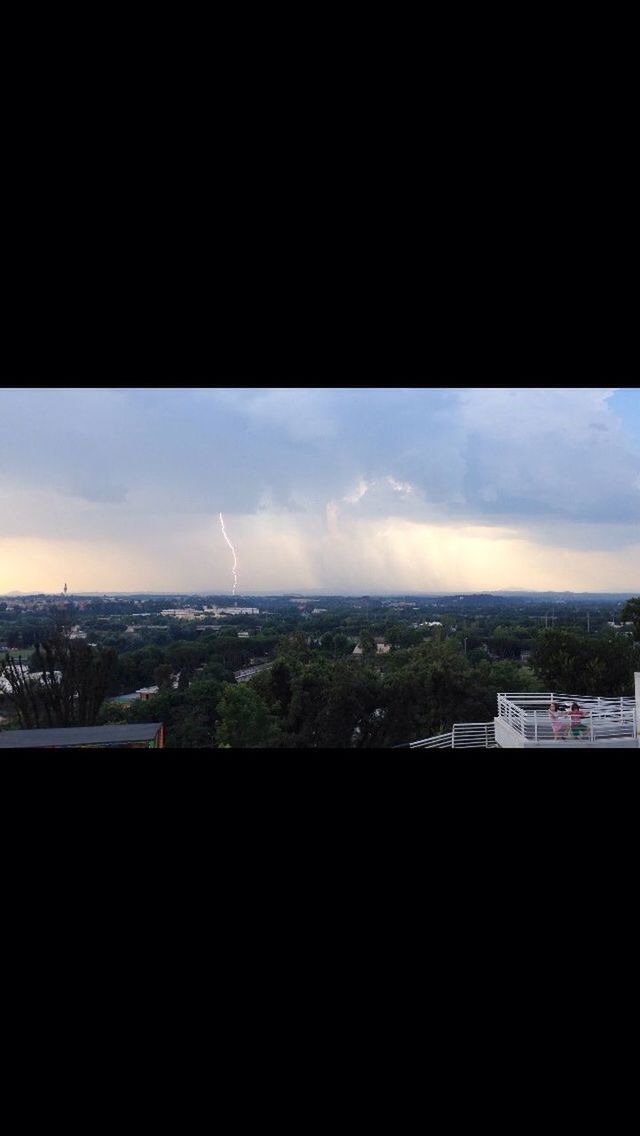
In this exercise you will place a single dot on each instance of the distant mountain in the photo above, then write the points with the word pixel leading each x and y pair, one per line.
pixel 521 593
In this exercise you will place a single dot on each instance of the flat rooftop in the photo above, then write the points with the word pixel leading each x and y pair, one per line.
pixel 62 737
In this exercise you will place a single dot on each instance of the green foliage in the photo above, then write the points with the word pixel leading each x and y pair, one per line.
pixel 294 648
pixel 244 719
pixel 189 717
pixel 436 686
pixel 114 713
pixel 504 643
pixel 575 663
pixel 215 669
pixel 631 614
pixel 368 643
pixel 314 694
pixel 74 680
pixel 346 717
pixel 275 686
pixel 162 675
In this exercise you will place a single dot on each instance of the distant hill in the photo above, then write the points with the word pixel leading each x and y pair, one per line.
pixel 518 593
pixel 500 594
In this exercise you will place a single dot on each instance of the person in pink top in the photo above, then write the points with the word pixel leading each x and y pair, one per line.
pixel 559 723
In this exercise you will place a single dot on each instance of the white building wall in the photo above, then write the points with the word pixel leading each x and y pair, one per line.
pixel 506 738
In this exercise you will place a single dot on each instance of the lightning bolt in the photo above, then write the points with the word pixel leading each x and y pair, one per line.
pixel 235 561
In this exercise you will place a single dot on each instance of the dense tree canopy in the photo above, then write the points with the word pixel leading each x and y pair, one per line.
pixel 244 720
pixel 602 664
pixel 631 613
pixel 314 693
pixel 72 681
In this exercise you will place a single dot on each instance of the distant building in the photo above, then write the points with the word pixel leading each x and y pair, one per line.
pixel 247 673
pixel 76 633
pixel 123 699
pixel 214 610
pixel 147 692
pixel 382 648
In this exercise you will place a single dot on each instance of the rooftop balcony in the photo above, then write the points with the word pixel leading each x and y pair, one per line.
pixel 523 722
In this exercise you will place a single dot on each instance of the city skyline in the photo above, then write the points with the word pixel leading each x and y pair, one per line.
pixel 341 490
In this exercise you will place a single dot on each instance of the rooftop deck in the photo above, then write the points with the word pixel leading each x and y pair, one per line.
pixel 523 721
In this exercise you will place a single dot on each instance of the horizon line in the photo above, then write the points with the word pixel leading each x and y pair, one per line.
pixel 321 592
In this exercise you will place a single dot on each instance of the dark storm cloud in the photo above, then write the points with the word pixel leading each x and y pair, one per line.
pixel 501 456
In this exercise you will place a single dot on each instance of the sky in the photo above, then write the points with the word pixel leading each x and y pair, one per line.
pixel 326 489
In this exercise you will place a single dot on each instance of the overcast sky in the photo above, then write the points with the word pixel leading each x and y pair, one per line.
pixel 332 489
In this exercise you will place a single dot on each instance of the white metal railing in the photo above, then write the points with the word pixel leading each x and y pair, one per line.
pixel 464 735
pixel 438 741
pixel 602 718
pixel 469 735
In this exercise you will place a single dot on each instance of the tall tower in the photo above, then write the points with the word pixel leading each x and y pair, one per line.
pixel 65 589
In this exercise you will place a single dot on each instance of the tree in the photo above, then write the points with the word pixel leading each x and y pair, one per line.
pixel 328 644
pixel 277 683
pixel 631 614
pixel 244 720
pixel 309 693
pixel 166 706
pixel 72 687
pixel 505 643
pixel 294 648
pixel 368 643
pixel 196 729
pixel 162 675
pixel 215 669
pixel 345 717
pixel 573 663
pixel 394 634
pixel 435 688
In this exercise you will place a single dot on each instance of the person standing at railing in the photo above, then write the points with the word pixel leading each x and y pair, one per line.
pixel 565 720
pixel 553 718
pixel 559 722
pixel 576 715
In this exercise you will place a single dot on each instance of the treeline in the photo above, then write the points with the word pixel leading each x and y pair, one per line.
pixel 69 687
pixel 316 695
pixel 318 703
pixel 572 663
pixel 189 714
pixel 138 668
pixel 308 700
